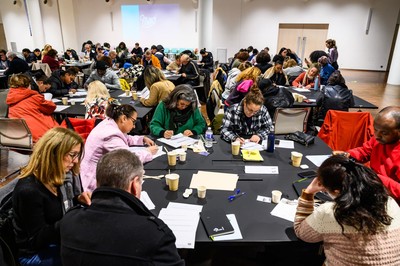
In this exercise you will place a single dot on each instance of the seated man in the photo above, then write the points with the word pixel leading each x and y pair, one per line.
pixel 383 150
pixel 16 65
pixel 105 75
pixel 62 82
pixel 150 59
pixel 89 235
pixel 190 72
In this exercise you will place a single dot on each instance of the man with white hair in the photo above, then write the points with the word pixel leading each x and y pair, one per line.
pixel 190 71
pixel 17 65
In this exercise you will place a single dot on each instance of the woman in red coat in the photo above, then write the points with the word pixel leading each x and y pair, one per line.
pixel 31 106
pixel 50 59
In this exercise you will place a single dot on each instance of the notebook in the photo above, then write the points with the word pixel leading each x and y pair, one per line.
pixel 216 223
pixel 252 155
pixel 300 185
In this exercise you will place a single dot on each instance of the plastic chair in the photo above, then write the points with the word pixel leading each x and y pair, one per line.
pixel 289 120
pixel 3 104
pixel 346 130
pixel 15 134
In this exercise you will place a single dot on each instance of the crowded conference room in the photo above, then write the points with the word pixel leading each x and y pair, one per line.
pixel 199 132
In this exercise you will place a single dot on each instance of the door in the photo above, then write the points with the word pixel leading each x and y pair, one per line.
pixel 303 38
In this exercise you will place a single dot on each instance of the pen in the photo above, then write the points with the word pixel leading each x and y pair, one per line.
pixel 301 180
pixel 250 179
pixel 237 195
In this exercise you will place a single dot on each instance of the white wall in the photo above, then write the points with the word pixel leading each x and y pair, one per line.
pixel 236 24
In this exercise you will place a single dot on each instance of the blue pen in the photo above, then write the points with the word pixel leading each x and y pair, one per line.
pixel 237 195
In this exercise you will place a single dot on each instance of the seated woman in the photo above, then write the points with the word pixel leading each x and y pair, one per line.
pixel 31 106
pixel 292 70
pixel 307 79
pixel 109 135
pixel 274 97
pixel 231 79
pixel 243 83
pixel 360 225
pixel 158 86
pixel 335 96
pixel 48 186
pixel 175 65
pixel 276 74
pixel 178 113
pixel 263 60
pixel 51 59
pixel 96 100
pixel 62 82
pixel 248 119
pixel 326 69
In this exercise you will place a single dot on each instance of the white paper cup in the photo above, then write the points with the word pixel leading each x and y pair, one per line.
pixel 172 181
pixel 70 94
pixel 72 102
pixel 300 98
pixel 47 96
pixel 171 158
pixel 127 93
pixel 201 192
pixel 276 196
pixel 134 95
pixel 184 147
pixel 296 158
pixel 235 147
pixel 182 156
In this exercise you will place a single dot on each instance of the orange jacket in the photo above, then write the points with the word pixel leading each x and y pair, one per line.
pixel 154 62
pixel 31 106
pixel 346 130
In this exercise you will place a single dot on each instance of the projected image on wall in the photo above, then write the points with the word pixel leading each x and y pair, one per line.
pixel 150 24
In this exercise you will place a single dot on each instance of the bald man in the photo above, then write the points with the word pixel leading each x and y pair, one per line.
pixel 383 150
pixel 190 72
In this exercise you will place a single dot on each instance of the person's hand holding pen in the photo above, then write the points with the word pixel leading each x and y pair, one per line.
pixel 241 140
pixel 168 134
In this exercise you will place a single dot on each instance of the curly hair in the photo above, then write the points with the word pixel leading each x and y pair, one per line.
pixel 362 199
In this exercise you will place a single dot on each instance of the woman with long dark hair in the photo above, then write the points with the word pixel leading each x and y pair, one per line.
pixel 361 226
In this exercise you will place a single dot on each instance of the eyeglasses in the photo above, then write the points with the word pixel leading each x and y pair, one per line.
pixel 74 155
pixel 250 111
pixel 133 120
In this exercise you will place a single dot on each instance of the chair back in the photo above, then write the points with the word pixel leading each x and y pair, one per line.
pixel 14 133
pixel 346 130
pixel 289 120
pixel 3 104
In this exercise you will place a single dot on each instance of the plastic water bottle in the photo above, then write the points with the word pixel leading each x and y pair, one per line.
pixel 316 83
pixel 271 142
pixel 209 138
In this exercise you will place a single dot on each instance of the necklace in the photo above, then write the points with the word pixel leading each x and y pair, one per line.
pixel 52 189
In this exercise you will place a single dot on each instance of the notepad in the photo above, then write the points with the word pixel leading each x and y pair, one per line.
pixel 252 155
pixel 216 223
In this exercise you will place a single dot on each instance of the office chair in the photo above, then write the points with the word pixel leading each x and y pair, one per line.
pixel 3 104
pixel 15 134
pixel 289 120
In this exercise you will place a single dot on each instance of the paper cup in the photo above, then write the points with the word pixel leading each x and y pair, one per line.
pixel 201 192
pixel 72 102
pixel 276 196
pixel 184 147
pixel 172 181
pixel 295 97
pixel 64 100
pixel 70 94
pixel 134 95
pixel 300 98
pixel 47 96
pixel 127 93
pixel 235 147
pixel 182 156
pixel 171 158
pixel 296 158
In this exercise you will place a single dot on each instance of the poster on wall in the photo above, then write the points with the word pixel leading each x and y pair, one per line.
pixel 150 23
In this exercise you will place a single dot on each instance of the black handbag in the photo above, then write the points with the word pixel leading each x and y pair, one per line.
pixel 301 137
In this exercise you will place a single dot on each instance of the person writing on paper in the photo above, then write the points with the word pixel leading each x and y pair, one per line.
pixel 248 119
pixel 31 106
pixel 383 150
pixel 105 75
pixel 158 86
pixel 111 134
pixel 360 225
pixel 96 100
pixel 139 239
pixel 307 79
pixel 47 188
pixel 178 113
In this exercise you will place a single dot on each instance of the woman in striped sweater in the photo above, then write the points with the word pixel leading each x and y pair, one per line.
pixel 361 226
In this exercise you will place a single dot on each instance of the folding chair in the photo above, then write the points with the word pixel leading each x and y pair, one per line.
pixel 3 104
pixel 15 134
pixel 289 120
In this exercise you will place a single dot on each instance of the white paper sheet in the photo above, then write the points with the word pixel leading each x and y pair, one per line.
pixel 318 159
pixel 59 108
pixel 55 100
pixel 145 93
pixel 286 144
pixel 178 140
pixel 145 198
pixel 249 169
pixel 159 152
pixel 237 233
pixel 286 209
pixel 301 90
pixel 264 199
pixel 77 100
pixel 214 180
pixel 252 146
pixel 183 220
pixel 79 93
pixel 124 95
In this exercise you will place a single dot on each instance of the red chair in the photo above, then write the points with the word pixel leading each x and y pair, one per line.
pixel 346 130
pixel 81 126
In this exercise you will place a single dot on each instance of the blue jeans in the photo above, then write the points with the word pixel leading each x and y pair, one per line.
pixel 46 257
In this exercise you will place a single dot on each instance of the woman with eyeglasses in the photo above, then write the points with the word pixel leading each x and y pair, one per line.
pixel 248 119
pixel 112 134
pixel 361 226
pixel 48 186
pixel 178 113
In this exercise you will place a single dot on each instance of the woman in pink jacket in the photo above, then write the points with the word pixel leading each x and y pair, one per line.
pixel 31 106
pixel 109 135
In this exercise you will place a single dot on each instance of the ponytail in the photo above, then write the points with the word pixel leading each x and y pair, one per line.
pixel 115 109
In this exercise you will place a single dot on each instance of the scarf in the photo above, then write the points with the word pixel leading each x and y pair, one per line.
pixel 179 118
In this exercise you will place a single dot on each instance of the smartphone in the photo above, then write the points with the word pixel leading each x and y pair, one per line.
pixel 308 174
pixel 277 141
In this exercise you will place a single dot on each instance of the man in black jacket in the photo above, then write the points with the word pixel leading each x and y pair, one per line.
pixel 62 82
pixel 117 228
pixel 17 65
pixel 190 72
